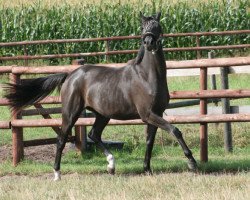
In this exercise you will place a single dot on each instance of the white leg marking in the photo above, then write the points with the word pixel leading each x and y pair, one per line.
pixel 111 161
pixel 57 175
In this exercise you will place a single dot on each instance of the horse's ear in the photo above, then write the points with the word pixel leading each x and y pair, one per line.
pixel 158 16
pixel 143 18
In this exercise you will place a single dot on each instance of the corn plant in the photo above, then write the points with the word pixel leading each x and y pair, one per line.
pixel 64 21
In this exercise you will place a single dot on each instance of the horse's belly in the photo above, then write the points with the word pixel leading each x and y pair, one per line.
pixel 116 108
pixel 120 111
pixel 125 117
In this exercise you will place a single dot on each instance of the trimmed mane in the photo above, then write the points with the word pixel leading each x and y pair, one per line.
pixel 140 55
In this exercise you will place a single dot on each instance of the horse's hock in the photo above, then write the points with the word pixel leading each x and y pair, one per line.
pixel 17 123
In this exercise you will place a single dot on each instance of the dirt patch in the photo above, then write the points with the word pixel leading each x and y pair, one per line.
pixel 5 153
pixel 44 153
pixel 40 153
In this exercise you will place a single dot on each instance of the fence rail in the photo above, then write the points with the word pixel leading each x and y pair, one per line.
pixel 201 63
pixel 17 123
pixel 5 125
pixel 172 119
pixel 58 41
pixel 108 52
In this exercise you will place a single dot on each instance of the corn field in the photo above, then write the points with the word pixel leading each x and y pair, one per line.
pixel 65 21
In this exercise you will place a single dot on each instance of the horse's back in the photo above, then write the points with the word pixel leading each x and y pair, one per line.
pixel 106 90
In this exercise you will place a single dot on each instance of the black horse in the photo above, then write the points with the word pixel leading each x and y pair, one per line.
pixel 137 90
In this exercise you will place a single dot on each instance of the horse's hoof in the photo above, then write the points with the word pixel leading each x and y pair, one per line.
pixel 111 170
pixel 192 165
pixel 148 172
pixel 111 165
pixel 57 175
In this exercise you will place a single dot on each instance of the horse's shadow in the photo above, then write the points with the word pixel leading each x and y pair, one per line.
pixel 128 163
pixel 180 166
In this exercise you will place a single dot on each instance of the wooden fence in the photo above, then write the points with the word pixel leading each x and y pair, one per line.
pixel 108 52
pixel 201 67
pixel 17 123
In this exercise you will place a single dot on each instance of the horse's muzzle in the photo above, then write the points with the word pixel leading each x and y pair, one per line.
pixel 149 43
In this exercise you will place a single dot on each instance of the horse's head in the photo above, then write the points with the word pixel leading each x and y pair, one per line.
pixel 151 32
pixel 151 35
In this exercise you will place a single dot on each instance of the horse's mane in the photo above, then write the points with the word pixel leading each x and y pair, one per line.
pixel 140 55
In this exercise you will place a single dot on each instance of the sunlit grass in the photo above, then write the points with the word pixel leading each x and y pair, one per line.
pixel 170 186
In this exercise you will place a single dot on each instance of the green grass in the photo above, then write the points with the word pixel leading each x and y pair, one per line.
pixel 236 81
pixel 166 159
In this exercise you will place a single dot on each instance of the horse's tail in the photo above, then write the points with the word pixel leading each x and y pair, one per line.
pixel 30 91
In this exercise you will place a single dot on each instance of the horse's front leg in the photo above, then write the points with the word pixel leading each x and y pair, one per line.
pixel 155 120
pixel 151 132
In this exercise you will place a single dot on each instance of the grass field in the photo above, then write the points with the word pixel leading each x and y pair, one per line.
pixel 181 186
pixel 225 176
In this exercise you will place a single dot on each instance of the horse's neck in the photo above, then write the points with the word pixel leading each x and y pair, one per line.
pixel 155 63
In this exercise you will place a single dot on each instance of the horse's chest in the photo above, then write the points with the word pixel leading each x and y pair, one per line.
pixel 161 99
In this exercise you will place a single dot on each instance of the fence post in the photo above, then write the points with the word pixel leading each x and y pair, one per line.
pixel 203 111
pixel 17 133
pixel 26 54
pixel 81 136
pixel 198 53
pixel 226 110
pixel 106 42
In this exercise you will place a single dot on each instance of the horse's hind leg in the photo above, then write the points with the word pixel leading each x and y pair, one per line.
pixel 95 135
pixel 72 106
